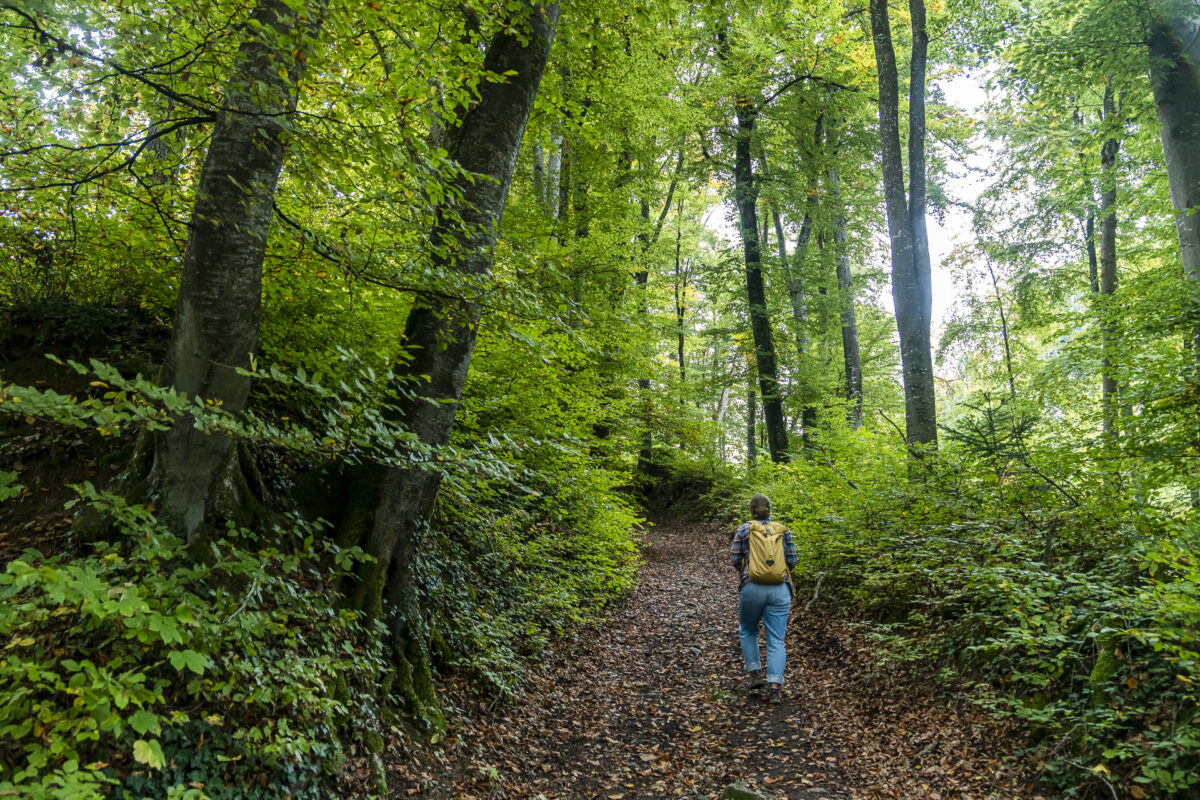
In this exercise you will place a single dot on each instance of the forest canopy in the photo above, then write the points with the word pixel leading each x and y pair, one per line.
pixel 349 347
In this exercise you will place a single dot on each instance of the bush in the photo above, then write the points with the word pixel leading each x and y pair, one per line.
pixel 135 673
pixel 1078 619
pixel 516 561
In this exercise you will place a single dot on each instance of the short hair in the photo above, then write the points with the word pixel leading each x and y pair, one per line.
pixel 760 507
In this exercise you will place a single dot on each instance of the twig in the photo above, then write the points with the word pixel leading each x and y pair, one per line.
pixel 63 45
pixel 97 174
pixel 894 425
pixel 816 591
pixel 251 592
pixel 833 467
pixel 1098 776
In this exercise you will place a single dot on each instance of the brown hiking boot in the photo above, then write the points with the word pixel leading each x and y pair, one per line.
pixel 757 681
pixel 774 694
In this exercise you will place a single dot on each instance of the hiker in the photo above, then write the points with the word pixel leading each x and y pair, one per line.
pixel 763 553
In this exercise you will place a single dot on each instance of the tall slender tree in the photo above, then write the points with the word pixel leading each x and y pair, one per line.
pixel 912 288
pixel 1109 152
pixel 851 357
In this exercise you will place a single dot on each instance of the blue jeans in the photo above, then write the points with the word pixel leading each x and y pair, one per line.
pixel 771 604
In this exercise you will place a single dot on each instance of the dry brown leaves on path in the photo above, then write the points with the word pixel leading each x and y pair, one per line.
pixel 654 706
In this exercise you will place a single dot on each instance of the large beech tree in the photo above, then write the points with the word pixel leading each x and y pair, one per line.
pixel 390 506
pixel 1173 39
pixel 912 289
pixel 197 473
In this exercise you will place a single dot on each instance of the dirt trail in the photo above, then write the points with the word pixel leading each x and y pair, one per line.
pixel 653 706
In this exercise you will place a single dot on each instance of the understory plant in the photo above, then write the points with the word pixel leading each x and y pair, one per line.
pixel 138 672
pixel 1043 590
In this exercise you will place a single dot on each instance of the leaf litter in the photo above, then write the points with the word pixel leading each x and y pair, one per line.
pixel 653 705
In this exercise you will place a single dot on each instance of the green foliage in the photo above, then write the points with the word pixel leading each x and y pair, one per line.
pixel 534 535
pixel 1079 620
pixel 9 488
pixel 508 572
pixel 1050 565
pixel 134 672
pixel 74 330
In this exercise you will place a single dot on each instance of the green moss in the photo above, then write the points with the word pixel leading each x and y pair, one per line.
pixel 373 741
pixel 1106 666
pixel 414 683
pixel 341 691
pixel 334 764
pixel 439 649
pixel 379 776
pixel 1037 700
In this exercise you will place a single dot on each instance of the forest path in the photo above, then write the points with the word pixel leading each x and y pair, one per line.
pixel 654 706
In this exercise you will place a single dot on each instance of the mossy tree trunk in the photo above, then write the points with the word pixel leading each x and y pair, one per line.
pixel 1173 39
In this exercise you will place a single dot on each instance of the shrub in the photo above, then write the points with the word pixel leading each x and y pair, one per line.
pixel 135 673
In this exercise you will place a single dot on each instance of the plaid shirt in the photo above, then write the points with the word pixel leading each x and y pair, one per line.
pixel 739 552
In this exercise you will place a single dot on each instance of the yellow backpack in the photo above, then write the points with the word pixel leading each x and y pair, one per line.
pixel 767 562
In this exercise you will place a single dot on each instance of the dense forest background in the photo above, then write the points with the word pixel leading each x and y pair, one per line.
pixel 347 347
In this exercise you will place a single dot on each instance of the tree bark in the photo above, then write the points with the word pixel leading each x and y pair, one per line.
pixel 751 436
pixel 851 358
pixel 553 163
pixel 911 280
pixel 1108 267
pixel 641 277
pixel 746 199
pixel 1174 48
pixel 1088 218
pixel 797 292
pixel 681 282
pixel 198 475
pixel 1089 230
pixel 440 332
pixel 538 157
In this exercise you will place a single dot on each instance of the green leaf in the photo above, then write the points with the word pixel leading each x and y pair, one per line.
pixel 196 662
pixel 144 722
pixel 149 752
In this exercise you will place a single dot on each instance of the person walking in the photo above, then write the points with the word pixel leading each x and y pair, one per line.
pixel 763 554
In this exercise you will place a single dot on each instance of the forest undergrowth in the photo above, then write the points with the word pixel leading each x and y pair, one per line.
pixel 1069 627
pixel 345 349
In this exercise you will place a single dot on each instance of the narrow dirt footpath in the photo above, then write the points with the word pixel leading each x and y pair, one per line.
pixel 653 706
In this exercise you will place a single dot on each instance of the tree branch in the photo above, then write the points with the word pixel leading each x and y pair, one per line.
pixel 94 175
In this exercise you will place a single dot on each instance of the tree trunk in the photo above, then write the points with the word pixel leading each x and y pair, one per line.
pixel 851 358
pixel 538 157
pixel 911 280
pixel 1108 267
pixel 641 277
pixel 797 291
pixel 746 199
pixel 566 163
pixel 198 475
pixel 553 164
pixel 681 282
pixel 1174 45
pixel 751 436
pixel 1089 227
pixel 439 335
